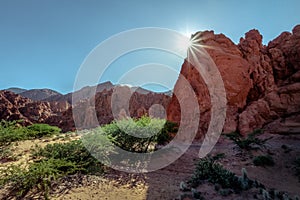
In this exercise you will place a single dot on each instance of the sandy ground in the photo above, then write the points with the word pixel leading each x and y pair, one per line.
pixel 164 183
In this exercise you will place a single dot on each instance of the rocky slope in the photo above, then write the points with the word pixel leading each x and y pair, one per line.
pixel 261 82
pixel 15 107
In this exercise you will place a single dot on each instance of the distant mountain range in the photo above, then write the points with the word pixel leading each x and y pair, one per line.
pixel 84 93
pixel 35 94
pixel 16 90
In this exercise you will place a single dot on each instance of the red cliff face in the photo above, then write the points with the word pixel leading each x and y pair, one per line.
pixel 15 107
pixel 261 82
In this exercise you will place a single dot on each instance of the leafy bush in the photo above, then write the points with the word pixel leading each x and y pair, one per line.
pixel 207 169
pixel 39 176
pixel 137 135
pixel 74 152
pixel 263 161
pixel 249 142
pixel 12 131
pixel 40 130
pixel 52 162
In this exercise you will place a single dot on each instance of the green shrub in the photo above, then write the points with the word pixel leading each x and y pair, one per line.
pixel 224 180
pixel 264 160
pixel 74 152
pixel 39 175
pixel 249 142
pixel 207 169
pixel 40 130
pixel 52 162
pixel 13 131
pixel 137 135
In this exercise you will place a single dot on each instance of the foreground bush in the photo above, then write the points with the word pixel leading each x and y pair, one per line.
pixel 51 163
pixel 74 152
pixel 137 135
pixel 38 176
pixel 208 170
pixel 226 182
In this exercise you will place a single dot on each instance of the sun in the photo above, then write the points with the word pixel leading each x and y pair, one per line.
pixel 188 29
pixel 187 32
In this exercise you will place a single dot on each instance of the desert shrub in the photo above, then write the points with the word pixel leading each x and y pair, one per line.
pixel 38 176
pixel 52 162
pixel 224 180
pixel 249 142
pixel 263 160
pixel 74 152
pixel 40 130
pixel 137 135
pixel 13 131
pixel 207 169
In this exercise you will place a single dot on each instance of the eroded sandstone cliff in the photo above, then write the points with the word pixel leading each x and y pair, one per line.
pixel 261 82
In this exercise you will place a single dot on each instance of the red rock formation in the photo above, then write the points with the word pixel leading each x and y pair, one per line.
pixel 15 107
pixel 261 82
pixel 139 104
pixel 234 71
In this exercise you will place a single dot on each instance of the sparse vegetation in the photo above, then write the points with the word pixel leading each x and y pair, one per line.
pixel 39 175
pixel 51 163
pixel 263 160
pixel 249 142
pixel 12 131
pixel 208 170
pixel 57 160
pixel 226 182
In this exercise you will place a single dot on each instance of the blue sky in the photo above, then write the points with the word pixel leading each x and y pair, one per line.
pixel 44 42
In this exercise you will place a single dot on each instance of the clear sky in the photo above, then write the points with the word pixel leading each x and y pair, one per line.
pixel 44 42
